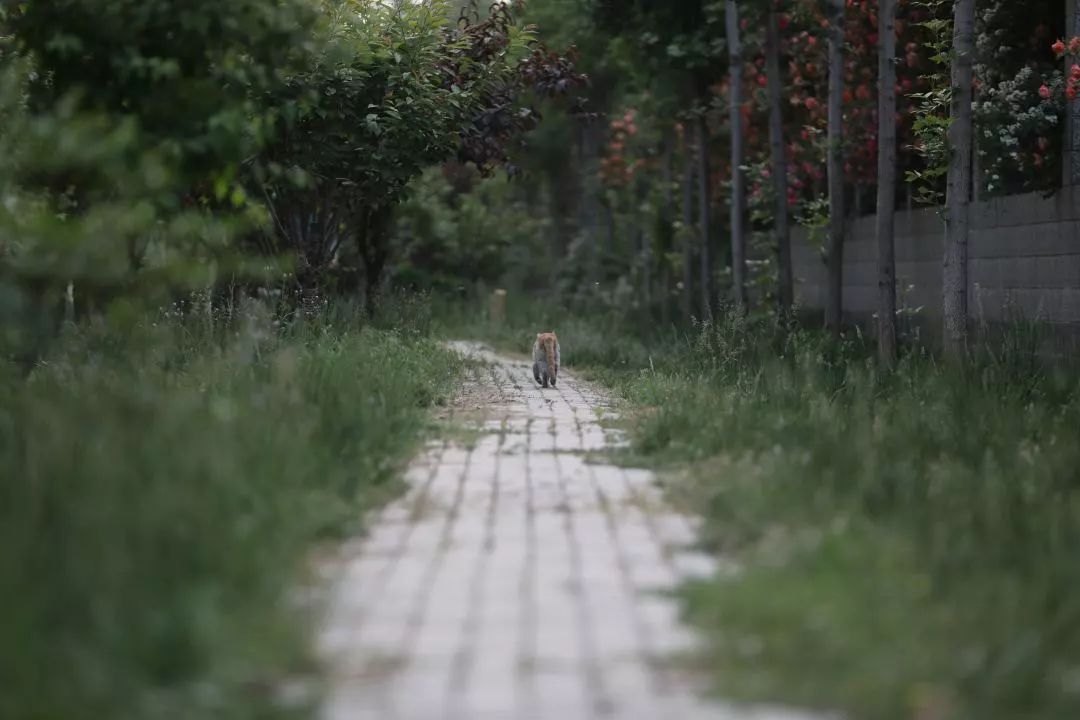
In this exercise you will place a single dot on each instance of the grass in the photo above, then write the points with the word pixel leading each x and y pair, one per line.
pixel 907 542
pixel 162 490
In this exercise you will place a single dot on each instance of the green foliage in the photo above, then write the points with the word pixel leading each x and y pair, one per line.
pixel 448 240
pixel 158 146
pixel 381 82
pixel 193 75
pixel 86 202
pixel 160 493
pixel 932 116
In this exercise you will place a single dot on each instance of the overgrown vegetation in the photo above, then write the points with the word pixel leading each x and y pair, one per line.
pixel 906 541
pixel 904 537
pixel 160 495
pixel 166 472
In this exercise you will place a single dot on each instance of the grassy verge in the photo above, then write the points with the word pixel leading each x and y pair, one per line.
pixel 160 492
pixel 908 543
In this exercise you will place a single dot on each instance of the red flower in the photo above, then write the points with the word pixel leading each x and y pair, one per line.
pixel 1058 48
pixel 1070 92
pixel 811 103
pixel 1044 92
pixel 762 81
pixel 1074 72
pixel 1074 46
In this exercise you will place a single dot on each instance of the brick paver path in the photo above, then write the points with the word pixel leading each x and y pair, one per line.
pixel 517 580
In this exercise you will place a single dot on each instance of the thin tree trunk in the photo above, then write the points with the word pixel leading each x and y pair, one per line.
pixel 558 244
pixel 644 247
pixel 372 231
pixel 705 217
pixel 588 222
pixel 834 305
pixel 958 191
pixel 687 240
pixel 664 229
pixel 785 289
pixel 738 182
pixel 886 197
pixel 69 303
pixel 609 255
pixel 688 229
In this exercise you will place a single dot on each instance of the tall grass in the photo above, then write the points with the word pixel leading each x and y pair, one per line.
pixel 160 491
pixel 908 542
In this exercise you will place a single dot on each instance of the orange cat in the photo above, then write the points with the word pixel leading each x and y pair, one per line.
pixel 546 359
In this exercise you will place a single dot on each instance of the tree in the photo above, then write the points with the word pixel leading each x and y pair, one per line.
pixel 410 91
pixel 785 290
pixel 834 306
pixel 705 215
pixel 195 75
pixel 687 225
pixel 958 185
pixel 738 181
pixel 886 195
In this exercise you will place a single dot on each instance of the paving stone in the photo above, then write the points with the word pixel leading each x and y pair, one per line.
pixel 518 580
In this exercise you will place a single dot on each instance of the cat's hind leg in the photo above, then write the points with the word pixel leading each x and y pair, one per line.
pixel 536 372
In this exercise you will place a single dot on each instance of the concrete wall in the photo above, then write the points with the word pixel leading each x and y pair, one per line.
pixel 1024 261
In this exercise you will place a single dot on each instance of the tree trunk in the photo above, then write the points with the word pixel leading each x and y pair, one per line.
pixel 663 229
pixel 886 197
pixel 371 235
pixel 588 222
pixel 738 182
pixel 785 289
pixel 705 217
pixel 688 229
pixel 834 306
pixel 644 247
pixel 958 191
pixel 607 258
pixel 69 303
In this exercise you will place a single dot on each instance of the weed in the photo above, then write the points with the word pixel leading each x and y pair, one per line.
pixel 160 491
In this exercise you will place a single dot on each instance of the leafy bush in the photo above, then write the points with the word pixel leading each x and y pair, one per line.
pixel 193 76
pixel 449 241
